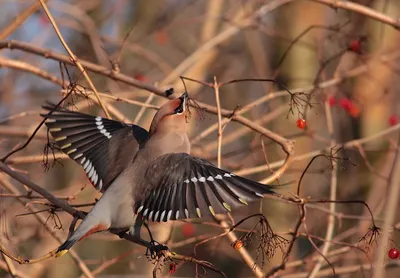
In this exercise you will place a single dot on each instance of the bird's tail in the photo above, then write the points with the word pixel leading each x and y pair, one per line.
pixel 87 227
pixel 63 249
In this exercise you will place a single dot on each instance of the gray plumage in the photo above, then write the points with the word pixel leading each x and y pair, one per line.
pixel 146 176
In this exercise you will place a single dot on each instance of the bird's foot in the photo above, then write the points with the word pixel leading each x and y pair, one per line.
pixel 154 249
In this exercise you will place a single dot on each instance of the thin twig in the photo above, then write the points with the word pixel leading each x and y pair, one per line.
pixel 390 213
pixel 10 266
pixel 333 190
pixel 216 91
pixel 361 9
pixel 20 19
pixel 74 58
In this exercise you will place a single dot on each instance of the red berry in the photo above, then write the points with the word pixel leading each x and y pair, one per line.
pixel 172 268
pixel 140 77
pixel 332 101
pixel 350 107
pixel 355 46
pixel 354 111
pixel 345 103
pixel 43 20
pixel 393 253
pixel 238 244
pixel 161 37
pixel 188 230
pixel 393 120
pixel 301 123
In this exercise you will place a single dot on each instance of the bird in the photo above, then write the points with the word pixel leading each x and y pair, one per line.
pixel 145 176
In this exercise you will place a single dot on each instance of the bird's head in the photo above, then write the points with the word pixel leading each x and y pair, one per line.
pixel 171 116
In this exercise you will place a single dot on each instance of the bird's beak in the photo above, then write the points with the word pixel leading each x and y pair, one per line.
pixel 184 97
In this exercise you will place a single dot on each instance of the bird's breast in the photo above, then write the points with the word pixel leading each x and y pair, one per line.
pixel 173 142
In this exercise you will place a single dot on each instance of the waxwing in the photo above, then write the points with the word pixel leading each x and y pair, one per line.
pixel 145 176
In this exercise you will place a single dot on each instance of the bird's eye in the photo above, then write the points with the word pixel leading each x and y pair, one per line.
pixel 179 110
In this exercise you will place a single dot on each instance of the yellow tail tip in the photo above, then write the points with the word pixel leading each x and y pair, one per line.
pixel 61 253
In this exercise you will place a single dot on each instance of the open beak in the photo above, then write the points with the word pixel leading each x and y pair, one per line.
pixel 182 107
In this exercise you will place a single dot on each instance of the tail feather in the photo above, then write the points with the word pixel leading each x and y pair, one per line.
pixel 83 231
pixel 63 249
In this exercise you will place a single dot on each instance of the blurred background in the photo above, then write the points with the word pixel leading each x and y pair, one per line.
pixel 342 65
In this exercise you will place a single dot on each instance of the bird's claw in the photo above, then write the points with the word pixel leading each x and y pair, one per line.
pixel 154 249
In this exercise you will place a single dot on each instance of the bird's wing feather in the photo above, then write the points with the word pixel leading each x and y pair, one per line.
pixel 182 186
pixel 103 147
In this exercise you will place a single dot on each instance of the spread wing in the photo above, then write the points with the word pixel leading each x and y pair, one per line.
pixel 190 187
pixel 103 147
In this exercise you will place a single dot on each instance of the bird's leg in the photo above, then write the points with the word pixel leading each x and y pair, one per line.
pixel 148 230
pixel 152 246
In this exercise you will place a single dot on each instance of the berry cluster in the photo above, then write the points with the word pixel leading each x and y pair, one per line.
pixel 352 109
pixel 347 104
